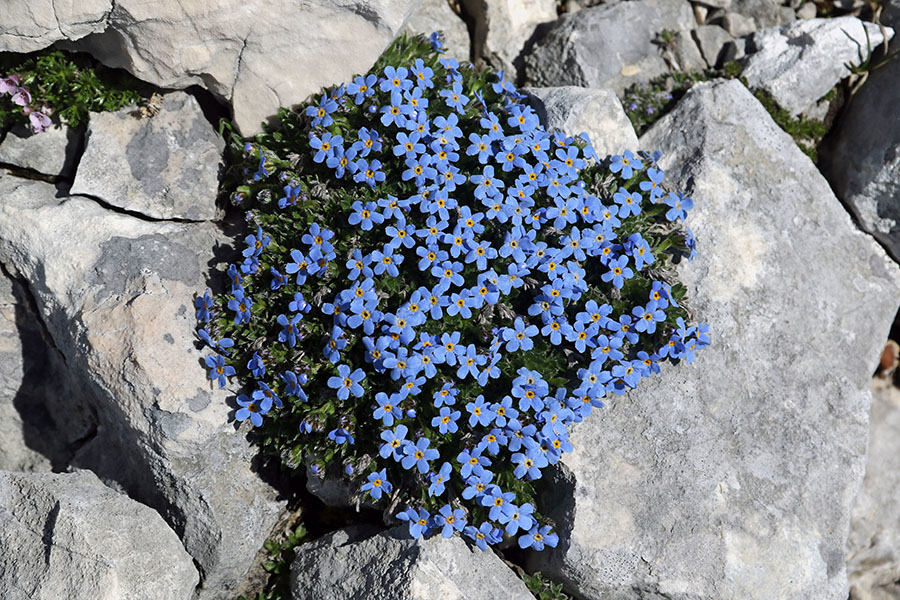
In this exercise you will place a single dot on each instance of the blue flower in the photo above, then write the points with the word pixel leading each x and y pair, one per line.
pixel 454 97
pixel 378 484
pixel 419 521
pixel 517 517
pixel 439 480
pixel 395 80
pixel 256 243
pixel 218 370
pixel 387 410
pixel 537 538
pixel 241 306
pixel 519 336
pixel 347 383
pixel 321 114
pixel 618 271
pixel 362 86
pixel 418 455
pixel 251 409
pixel 652 185
pixel 394 441
pixel 369 172
pixel 446 420
pixel 449 520
pixel 484 535
pixel 365 215
pixel 324 146
pixel 679 204
pixel 204 305
pixel 625 164
pixel 341 436
pixel 647 317
pixel 289 331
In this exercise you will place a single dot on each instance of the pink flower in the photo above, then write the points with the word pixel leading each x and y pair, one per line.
pixel 39 121
pixel 9 85
pixel 21 97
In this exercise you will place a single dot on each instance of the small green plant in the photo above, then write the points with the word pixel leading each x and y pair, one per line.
pixel 52 85
pixel 278 565
pixel 544 589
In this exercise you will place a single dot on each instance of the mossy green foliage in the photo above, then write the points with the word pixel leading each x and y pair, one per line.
pixel 71 85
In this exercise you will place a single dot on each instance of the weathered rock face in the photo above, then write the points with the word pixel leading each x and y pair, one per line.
pixel 165 167
pixel 861 156
pixel 258 58
pixel 574 110
pixel 436 15
pixel 873 548
pixel 115 294
pixel 69 536
pixel 502 28
pixel 30 26
pixel 732 477
pixel 765 13
pixel 45 411
pixel 799 63
pixel 362 563
pixel 622 34
pixel 52 152
pixel 712 39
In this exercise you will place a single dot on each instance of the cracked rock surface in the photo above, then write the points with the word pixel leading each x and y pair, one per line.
pixel 361 562
pixel 165 167
pixel 115 294
pixel 66 535
pixel 733 477
pixel 257 58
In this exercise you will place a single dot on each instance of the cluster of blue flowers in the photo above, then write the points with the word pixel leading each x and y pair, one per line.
pixel 469 287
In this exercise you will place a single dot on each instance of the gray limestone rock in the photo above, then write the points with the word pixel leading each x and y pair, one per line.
pixel 436 15
pixel 807 10
pixel 733 476
pixel 712 39
pixel 165 166
pixel 574 110
pixel 799 63
pixel 116 294
pixel 861 156
pixel 45 413
pixel 715 3
pixel 765 13
pixel 362 562
pixel 32 25
pixel 52 152
pixel 687 54
pixel 69 536
pixel 258 56
pixel 736 24
pixel 622 34
pixel 873 548
pixel 501 29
